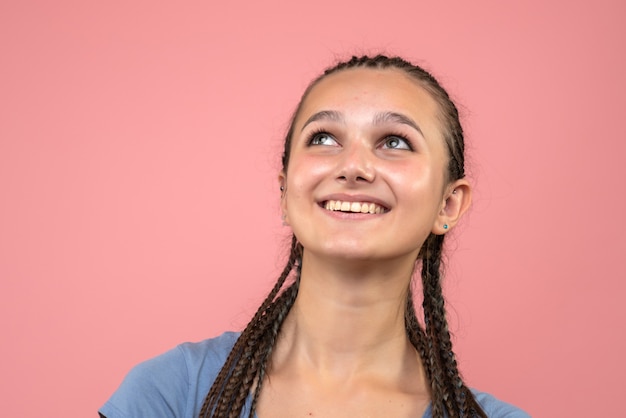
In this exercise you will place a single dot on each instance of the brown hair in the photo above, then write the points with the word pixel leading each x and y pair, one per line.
pixel 246 364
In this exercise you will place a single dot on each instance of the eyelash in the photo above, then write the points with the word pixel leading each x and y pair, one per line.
pixel 320 131
pixel 316 133
pixel 401 137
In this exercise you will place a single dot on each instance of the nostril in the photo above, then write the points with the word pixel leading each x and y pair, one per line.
pixel 356 173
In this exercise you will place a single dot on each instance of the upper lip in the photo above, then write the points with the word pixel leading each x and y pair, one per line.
pixel 354 198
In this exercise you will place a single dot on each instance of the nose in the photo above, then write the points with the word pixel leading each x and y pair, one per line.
pixel 356 164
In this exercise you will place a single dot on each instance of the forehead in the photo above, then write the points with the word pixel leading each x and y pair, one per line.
pixel 366 89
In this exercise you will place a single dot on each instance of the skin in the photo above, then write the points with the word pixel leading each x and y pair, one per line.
pixel 343 349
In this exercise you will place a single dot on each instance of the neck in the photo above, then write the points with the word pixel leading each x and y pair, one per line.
pixel 348 319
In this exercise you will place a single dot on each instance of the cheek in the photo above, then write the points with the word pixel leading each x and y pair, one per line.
pixel 421 185
pixel 306 171
pixel 411 175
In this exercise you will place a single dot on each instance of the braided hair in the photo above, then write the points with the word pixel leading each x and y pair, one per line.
pixel 245 368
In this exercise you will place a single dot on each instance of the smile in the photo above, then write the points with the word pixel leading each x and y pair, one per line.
pixel 355 207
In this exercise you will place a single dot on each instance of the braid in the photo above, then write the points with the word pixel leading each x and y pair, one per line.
pixel 448 391
pixel 436 325
pixel 414 330
pixel 290 296
pixel 246 361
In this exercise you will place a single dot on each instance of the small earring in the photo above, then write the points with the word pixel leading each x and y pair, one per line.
pixel 283 218
pixel 445 226
pixel 282 188
pixel 454 191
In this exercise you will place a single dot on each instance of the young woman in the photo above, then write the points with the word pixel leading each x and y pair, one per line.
pixel 372 180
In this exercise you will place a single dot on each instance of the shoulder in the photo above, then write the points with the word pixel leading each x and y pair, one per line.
pixel 171 384
pixel 208 355
pixel 495 408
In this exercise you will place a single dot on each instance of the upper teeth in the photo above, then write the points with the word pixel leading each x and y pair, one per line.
pixel 359 207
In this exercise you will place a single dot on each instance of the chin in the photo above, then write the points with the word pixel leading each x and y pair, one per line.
pixel 352 252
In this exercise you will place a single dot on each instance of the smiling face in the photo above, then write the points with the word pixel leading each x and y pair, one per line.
pixel 366 176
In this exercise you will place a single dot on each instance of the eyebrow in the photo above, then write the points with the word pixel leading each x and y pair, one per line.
pixel 332 115
pixel 395 117
pixel 379 118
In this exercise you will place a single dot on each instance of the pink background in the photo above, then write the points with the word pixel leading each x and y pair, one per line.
pixel 139 205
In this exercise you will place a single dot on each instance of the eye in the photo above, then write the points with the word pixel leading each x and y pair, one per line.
pixel 396 142
pixel 322 138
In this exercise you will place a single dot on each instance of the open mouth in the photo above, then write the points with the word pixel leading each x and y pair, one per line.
pixel 354 207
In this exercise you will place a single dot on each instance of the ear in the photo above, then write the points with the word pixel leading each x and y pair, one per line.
pixel 456 201
pixel 282 185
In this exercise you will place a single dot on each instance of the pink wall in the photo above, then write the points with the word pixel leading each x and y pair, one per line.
pixel 139 203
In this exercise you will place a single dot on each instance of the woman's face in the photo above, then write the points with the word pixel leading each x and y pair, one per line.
pixel 366 176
